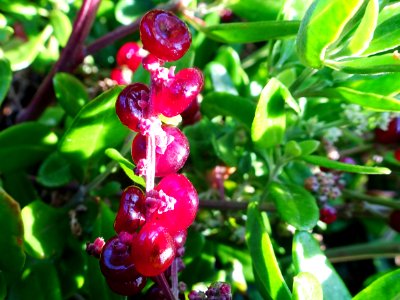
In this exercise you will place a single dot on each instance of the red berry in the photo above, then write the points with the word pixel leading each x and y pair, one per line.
pixel 191 114
pixel 121 75
pixel 172 159
pixel 328 214
pixel 153 249
pixel 394 220
pixel 391 135
pixel 397 154
pixel 131 105
pixel 132 210
pixel 174 97
pixel 184 204
pixel 129 287
pixel 164 35
pixel 129 54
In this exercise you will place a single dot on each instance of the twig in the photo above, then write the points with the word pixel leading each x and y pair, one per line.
pixel 354 195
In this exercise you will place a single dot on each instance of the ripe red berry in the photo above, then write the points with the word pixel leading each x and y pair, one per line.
pixel 391 135
pixel 191 114
pixel 396 154
pixel 121 75
pixel 129 55
pixel 164 35
pixel 172 159
pixel 132 210
pixel 174 97
pixel 153 249
pixel 184 205
pixel 129 287
pixel 394 220
pixel 131 105
pixel 328 214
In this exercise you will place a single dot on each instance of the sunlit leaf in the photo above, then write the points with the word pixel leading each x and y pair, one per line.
pixel 62 26
pixel 306 287
pixel 54 171
pixel 5 78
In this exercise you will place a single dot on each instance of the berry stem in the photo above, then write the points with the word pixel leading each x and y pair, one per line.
pixel 174 278
pixel 163 283
pixel 151 161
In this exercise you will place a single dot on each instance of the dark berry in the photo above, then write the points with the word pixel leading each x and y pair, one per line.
pixel 394 220
pixel 328 214
pixel 129 287
pixel 131 105
pixel 174 156
pixel 153 249
pixel 180 211
pixel 191 114
pixel 132 210
pixel 155 293
pixel 397 154
pixel 164 35
pixel 129 55
pixel 121 75
pixel 391 135
pixel 174 97
pixel 95 248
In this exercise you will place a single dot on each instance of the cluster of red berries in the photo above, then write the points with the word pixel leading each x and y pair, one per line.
pixel 217 291
pixel 151 226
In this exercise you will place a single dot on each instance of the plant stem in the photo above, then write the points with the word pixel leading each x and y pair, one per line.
pixel 307 72
pixel 174 278
pixel 232 205
pixel 357 196
pixel 355 150
pixel 163 283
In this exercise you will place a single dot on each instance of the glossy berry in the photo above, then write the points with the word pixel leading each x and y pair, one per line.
pixel 394 220
pixel 131 105
pixel 181 214
pixel 174 97
pixel 153 249
pixel 391 135
pixel 164 35
pixel 121 75
pixel 116 261
pixel 132 210
pixel 129 287
pixel 172 159
pixel 328 214
pixel 129 55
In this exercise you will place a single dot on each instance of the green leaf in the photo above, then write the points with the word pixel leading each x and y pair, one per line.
pixel 390 10
pixel 127 11
pixel 308 257
pixel 55 171
pixel 385 287
pixel 24 54
pixel 219 103
pixel 5 78
pixel 309 146
pixel 362 37
pixel 70 93
pixel 251 32
pixel 295 205
pixel 336 165
pixel 46 229
pixel 368 65
pixel 225 148
pixel 269 122
pixel 292 150
pixel 265 265
pixel 386 36
pixel 306 287
pixel 16 141
pixel 126 165
pixel 94 129
pixel 3 286
pixel 11 238
pixel 218 79
pixel 62 26
pixel 255 10
pixel 321 27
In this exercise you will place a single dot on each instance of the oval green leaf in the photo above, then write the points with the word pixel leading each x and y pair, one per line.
pixel 336 165
pixel 55 171
pixel 70 93
pixel 385 287
pixel 306 287
pixel 251 32
pixel 295 205
pixel 308 257
pixel 218 79
pixel 127 11
pixel 309 146
pixel 321 27
pixel 5 78
pixel 265 265
pixel 62 26
pixel 11 238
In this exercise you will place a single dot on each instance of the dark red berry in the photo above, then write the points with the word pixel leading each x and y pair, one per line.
pixel 180 238
pixel 191 114
pixel 391 135
pixel 397 154
pixel 164 35
pixel 121 75
pixel 174 97
pixel 116 261
pixel 129 287
pixel 328 214
pixel 153 249
pixel 95 248
pixel 131 105
pixel 394 220
pixel 182 208
pixel 132 210
pixel 129 55
pixel 174 157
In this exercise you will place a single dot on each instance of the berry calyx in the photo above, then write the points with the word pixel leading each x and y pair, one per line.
pixel 328 214
pixel 131 105
pixel 132 210
pixel 129 55
pixel 153 249
pixel 164 35
pixel 121 75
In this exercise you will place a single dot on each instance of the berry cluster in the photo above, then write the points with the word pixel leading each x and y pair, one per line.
pixel 151 225
pixel 217 291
